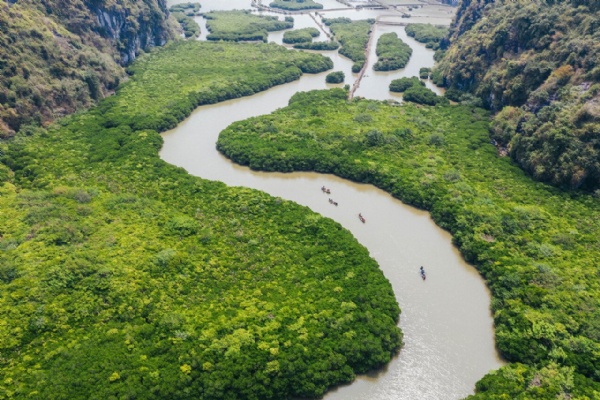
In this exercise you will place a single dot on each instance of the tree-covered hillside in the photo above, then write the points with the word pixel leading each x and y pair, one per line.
pixel 536 64
pixel 60 56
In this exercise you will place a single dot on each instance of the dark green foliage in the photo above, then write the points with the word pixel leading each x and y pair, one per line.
pixel 392 53
pixel 429 34
pixel 335 77
pixel 242 25
pixel 537 247
pixel 122 276
pixel 189 9
pixel 401 84
pixel 296 5
pixel 317 46
pixel 353 36
pixel 422 95
pixel 191 29
pixel 424 73
pixel 540 57
pixel 303 35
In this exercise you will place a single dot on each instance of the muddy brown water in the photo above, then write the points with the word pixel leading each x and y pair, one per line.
pixel 447 325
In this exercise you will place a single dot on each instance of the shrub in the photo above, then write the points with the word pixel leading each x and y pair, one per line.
pixel 335 77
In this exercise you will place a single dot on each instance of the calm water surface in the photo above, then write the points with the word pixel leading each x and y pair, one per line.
pixel 449 341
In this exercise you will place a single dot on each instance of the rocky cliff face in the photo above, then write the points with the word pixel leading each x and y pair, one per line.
pixel 58 56
pixel 132 29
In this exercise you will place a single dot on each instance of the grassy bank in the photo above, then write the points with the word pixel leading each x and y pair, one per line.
pixel 537 247
pixel 124 277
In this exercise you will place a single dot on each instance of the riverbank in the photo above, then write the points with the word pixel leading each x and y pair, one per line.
pixel 532 252
pixel 123 275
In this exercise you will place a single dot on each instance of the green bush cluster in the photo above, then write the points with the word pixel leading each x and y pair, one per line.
pixel 537 247
pixel 296 5
pixel 335 77
pixel 392 53
pixel 423 95
pixel 189 9
pixel 239 25
pixel 401 84
pixel 323 46
pixel 304 35
pixel 429 34
pixel 424 72
pixel 122 276
pixel 353 36
pixel 191 29
pixel 536 64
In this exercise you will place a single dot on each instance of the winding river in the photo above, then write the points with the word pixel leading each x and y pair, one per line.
pixel 447 325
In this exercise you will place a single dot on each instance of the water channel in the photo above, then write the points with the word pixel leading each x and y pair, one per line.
pixel 448 329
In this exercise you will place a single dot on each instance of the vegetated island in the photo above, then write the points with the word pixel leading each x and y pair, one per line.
pixel 335 77
pixel 124 276
pixel 392 53
pixel 401 84
pixel 304 35
pixel 430 35
pixel 242 25
pixel 296 5
pixel 537 247
pixel 353 36
pixel 184 13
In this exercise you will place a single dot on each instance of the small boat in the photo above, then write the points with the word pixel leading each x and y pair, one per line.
pixel 362 219
pixel 422 272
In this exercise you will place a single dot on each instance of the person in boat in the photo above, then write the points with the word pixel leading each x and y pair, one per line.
pixel 422 272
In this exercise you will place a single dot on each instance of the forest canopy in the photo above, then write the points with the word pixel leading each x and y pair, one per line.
pixel 537 247
pixel 122 276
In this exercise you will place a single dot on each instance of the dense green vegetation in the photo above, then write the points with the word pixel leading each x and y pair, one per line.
pixel 401 84
pixel 392 53
pixel 423 95
pixel 429 34
pixel 335 77
pixel 124 277
pixel 56 57
pixel 304 35
pixel 184 14
pixel 189 9
pixel 537 247
pixel 424 72
pixel 296 5
pixel 317 46
pixel 242 25
pixel 205 83
pixel 353 36
pixel 537 65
